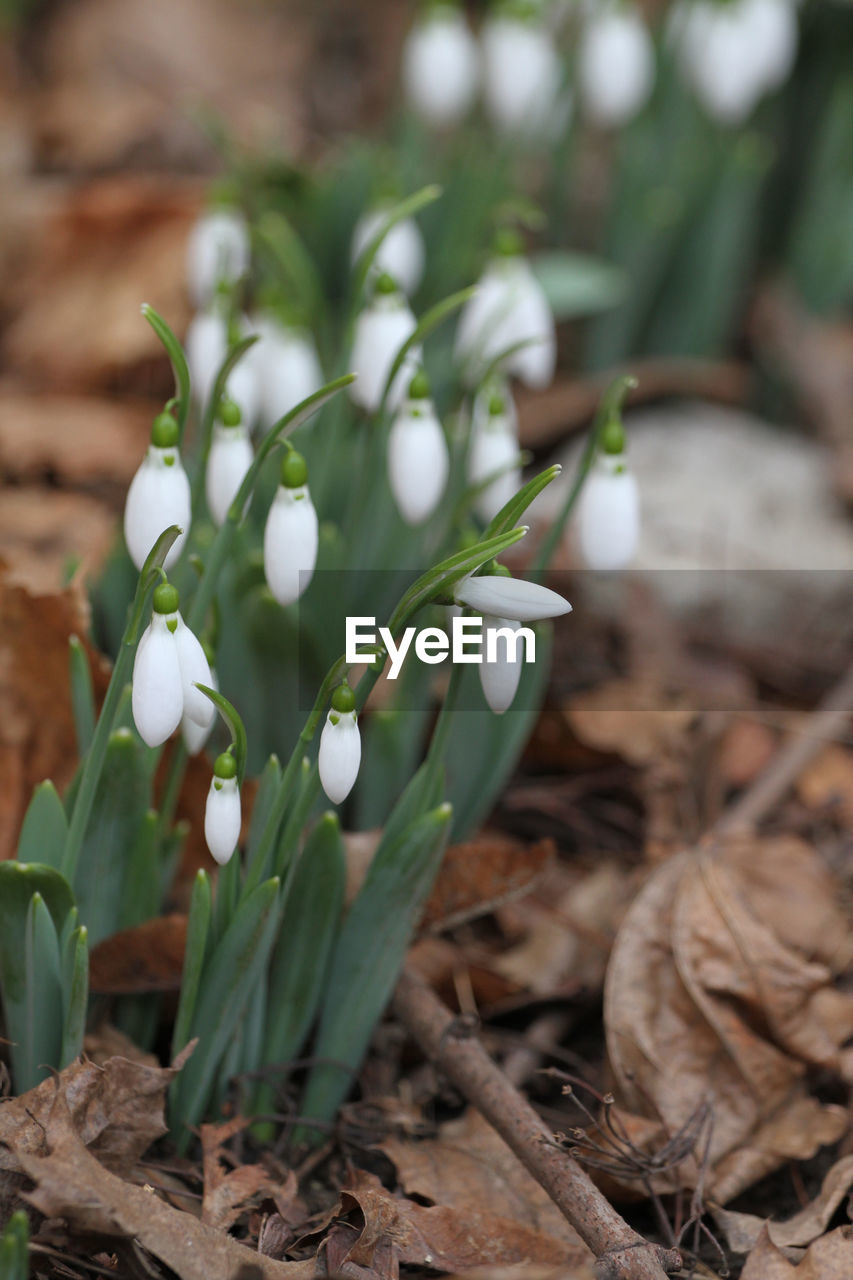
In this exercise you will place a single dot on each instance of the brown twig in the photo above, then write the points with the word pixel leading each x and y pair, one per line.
pixel 621 1253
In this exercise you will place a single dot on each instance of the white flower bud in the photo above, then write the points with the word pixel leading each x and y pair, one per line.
pixel 206 348
pixel 229 459
pixel 222 818
pixel 522 75
pixel 441 67
pixel 616 66
pixel 499 679
pixel 509 310
pixel 290 543
pixel 380 332
pixel 158 497
pixel 340 754
pixel 418 462
pixel 195 736
pixel 401 253
pixel 608 519
pixel 217 252
pixel 494 455
pixel 510 598
pixel 157 698
pixel 285 366
pixel 774 33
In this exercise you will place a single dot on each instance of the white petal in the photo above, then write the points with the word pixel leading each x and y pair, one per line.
pixel 609 517
pixel 511 598
pixel 222 818
pixel 509 310
pixel 290 543
pixel 159 496
pixel 218 250
pixel 194 669
pixel 441 67
pixel 418 463
pixel 195 735
pixel 401 253
pixel 242 388
pixel 157 696
pixel 522 74
pixel 229 459
pixel 720 61
pixel 286 367
pixel 206 344
pixel 494 452
pixel 500 678
pixel 616 66
pixel 339 756
pixel 380 332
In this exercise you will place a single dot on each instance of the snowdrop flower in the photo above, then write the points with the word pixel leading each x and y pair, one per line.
pixel 441 66
pixel 229 459
pixel 522 73
pixel 217 253
pixel 291 534
pixel 609 507
pixel 195 735
pixel 509 310
pixel 499 679
pixel 401 254
pixel 494 456
pixel 380 331
pixel 222 812
pixel 418 462
pixel 506 597
pixel 285 366
pixel 616 66
pixel 159 495
pixel 206 348
pixel 340 746
pixel 169 662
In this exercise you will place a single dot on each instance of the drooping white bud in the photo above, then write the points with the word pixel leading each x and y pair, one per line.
pixel 380 332
pixel 222 812
pixel 286 368
pixel 499 679
pixel 441 67
pixel 510 598
pixel 494 458
pixel 401 253
pixel 157 698
pixel 774 34
pixel 291 534
pixel 608 518
pixel 158 497
pixel 228 461
pixel 508 313
pixel 217 253
pixel 340 747
pixel 418 461
pixel 195 736
pixel 616 66
pixel 522 75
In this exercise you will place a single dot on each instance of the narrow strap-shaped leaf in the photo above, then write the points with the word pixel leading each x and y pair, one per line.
pixel 232 718
pixel 82 696
pixel 75 995
pixel 198 928
pixel 39 1045
pixel 45 828
pixel 294 262
pixel 180 367
pixel 14 1247
pixel 510 514
pixel 226 898
pixel 264 800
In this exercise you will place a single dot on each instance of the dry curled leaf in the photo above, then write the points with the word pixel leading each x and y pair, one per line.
pixel 720 993
pixel 630 718
pixel 480 875
pixel 149 957
pixel 829 1258
pixel 230 1194
pixel 742 1230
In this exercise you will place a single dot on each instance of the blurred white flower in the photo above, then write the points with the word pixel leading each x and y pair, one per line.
pixel 616 66
pixel 228 461
pixel 401 253
pixel 380 332
pixel 494 457
pixel 418 461
pixel 522 75
pixel 608 518
pixel 508 313
pixel 499 679
pixel 441 67
pixel 217 253
pixel 159 496
pixel 291 534
pixel 285 366
pixel 206 347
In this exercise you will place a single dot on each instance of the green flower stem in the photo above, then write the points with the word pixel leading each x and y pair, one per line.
pixel 94 762
pixel 611 403
pixel 172 786
pixel 179 365
pixel 234 355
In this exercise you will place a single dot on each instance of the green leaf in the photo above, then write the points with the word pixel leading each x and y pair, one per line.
pixel 510 514
pixel 268 785
pixel 369 954
pixel 18 882
pixel 45 828
pixel 227 982
pixel 180 368
pixel 14 1247
pixel 198 929
pixel 38 1042
pixel 142 890
pixel 228 894
pixel 293 260
pixel 424 328
pixel 577 285
pixel 75 995
pixel 82 696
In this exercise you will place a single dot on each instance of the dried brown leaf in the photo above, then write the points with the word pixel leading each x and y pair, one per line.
pixel 230 1194
pixel 742 1230
pixel 631 718
pixel 828 781
pixel 829 1258
pixel 148 957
